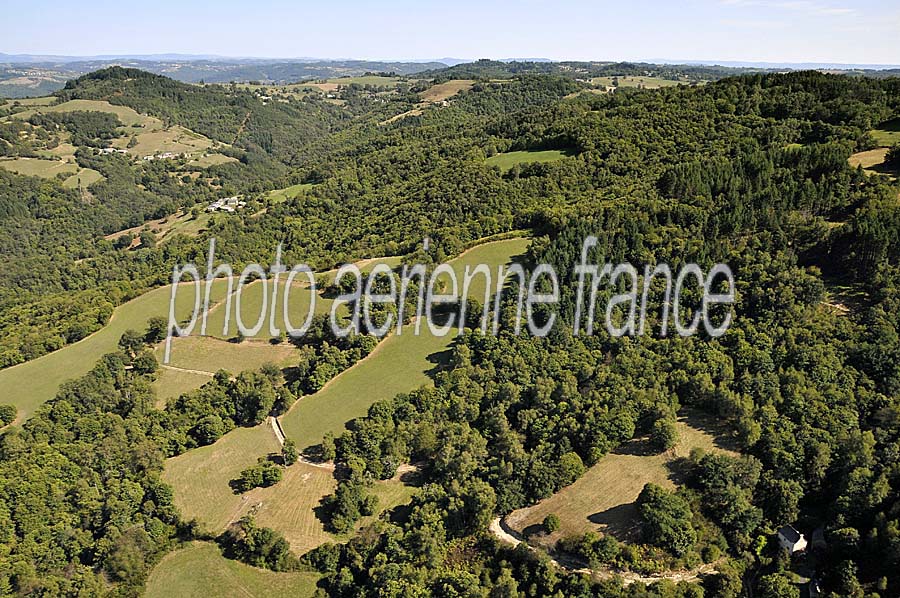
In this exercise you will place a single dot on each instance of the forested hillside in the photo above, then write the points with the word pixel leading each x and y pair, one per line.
pixel 751 171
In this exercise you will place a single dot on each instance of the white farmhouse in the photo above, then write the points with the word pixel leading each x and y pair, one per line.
pixel 791 539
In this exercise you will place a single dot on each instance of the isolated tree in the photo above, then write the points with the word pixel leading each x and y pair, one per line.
pixel 131 342
pixel 289 452
pixel 551 523
pixel 156 330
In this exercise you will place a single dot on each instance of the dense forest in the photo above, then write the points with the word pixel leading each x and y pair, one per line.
pixel 750 170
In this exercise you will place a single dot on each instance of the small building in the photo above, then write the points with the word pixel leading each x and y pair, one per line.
pixel 790 539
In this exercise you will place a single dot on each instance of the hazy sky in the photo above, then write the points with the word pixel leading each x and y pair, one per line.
pixel 845 31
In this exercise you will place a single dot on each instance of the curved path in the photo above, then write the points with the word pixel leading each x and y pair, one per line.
pixel 507 535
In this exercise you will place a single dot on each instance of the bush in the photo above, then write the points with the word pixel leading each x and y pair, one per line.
pixel 551 523
pixel 7 414
pixel 265 473
pixel 664 435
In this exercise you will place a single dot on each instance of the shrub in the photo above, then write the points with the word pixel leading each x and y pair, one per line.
pixel 551 523
pixel 7 414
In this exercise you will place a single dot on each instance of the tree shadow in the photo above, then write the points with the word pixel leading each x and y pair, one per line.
pixel 637 447
pixel 533 530
pixel 621 522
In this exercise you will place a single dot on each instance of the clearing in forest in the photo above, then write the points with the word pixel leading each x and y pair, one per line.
pixel 507 160
pixel 198 570
pixel 603 498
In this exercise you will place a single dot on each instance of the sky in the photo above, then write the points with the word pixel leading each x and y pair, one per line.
pixel 823 31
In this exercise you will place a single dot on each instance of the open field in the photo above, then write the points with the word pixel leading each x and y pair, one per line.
pixel 151 134
pixel 289 505
pixel 172 383
pixel 199 570
pixel 251 305
pixel 872 162
pixel 207 160
pixel 400 363
pixel 200 479
pixel 126 115
pixel 42 101
pixel 280 195
pixel 64 150
pixel 200 476
pixel 156 139
pixel 29 384
pixel 644 82
pixel 298 306
pixel 83 178
pixel 181 223
pixel 507 160
pixel 887 134
pixel 208 354
pixel 38 167
pixel 444 91
pixel 603 498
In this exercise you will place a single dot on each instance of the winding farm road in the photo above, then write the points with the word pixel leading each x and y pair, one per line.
pixel 507 535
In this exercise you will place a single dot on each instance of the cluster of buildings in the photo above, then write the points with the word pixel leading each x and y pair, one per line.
pixel 111 150
pixel 226 204
pixel 163 156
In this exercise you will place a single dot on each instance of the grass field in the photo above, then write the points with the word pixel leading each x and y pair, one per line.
pixel 645 82
pixel 29 384
pixel 42 101
pixel 126 115
pixel 171 383
pixel 84 177
pixel 872 161
pixel 200 476
pixel 507 160
pixel 400 363
pixel 446 90
pixel 251 305
pixel 888 133
pixel 280 195
pixel 603 498
pixel 38 167
pixel 200 479
pixel 152 135
pixel 157 139
pixel 207 160
pixel 199 570
pixel 208 354
pixel 182 223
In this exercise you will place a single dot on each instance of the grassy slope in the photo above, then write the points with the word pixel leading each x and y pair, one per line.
pixel 200 479
pixel 399 364
pixel 38 167
pixel 208 354
pixel 887 134
pixel 126 115
pixel 29 384
pixel 199 571
pixel 603 498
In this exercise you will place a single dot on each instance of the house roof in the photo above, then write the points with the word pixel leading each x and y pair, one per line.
pixel 789 533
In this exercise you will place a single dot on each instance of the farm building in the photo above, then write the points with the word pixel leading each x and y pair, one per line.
pixel 791 539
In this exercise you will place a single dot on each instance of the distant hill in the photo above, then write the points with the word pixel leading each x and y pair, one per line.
pixel 32 75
